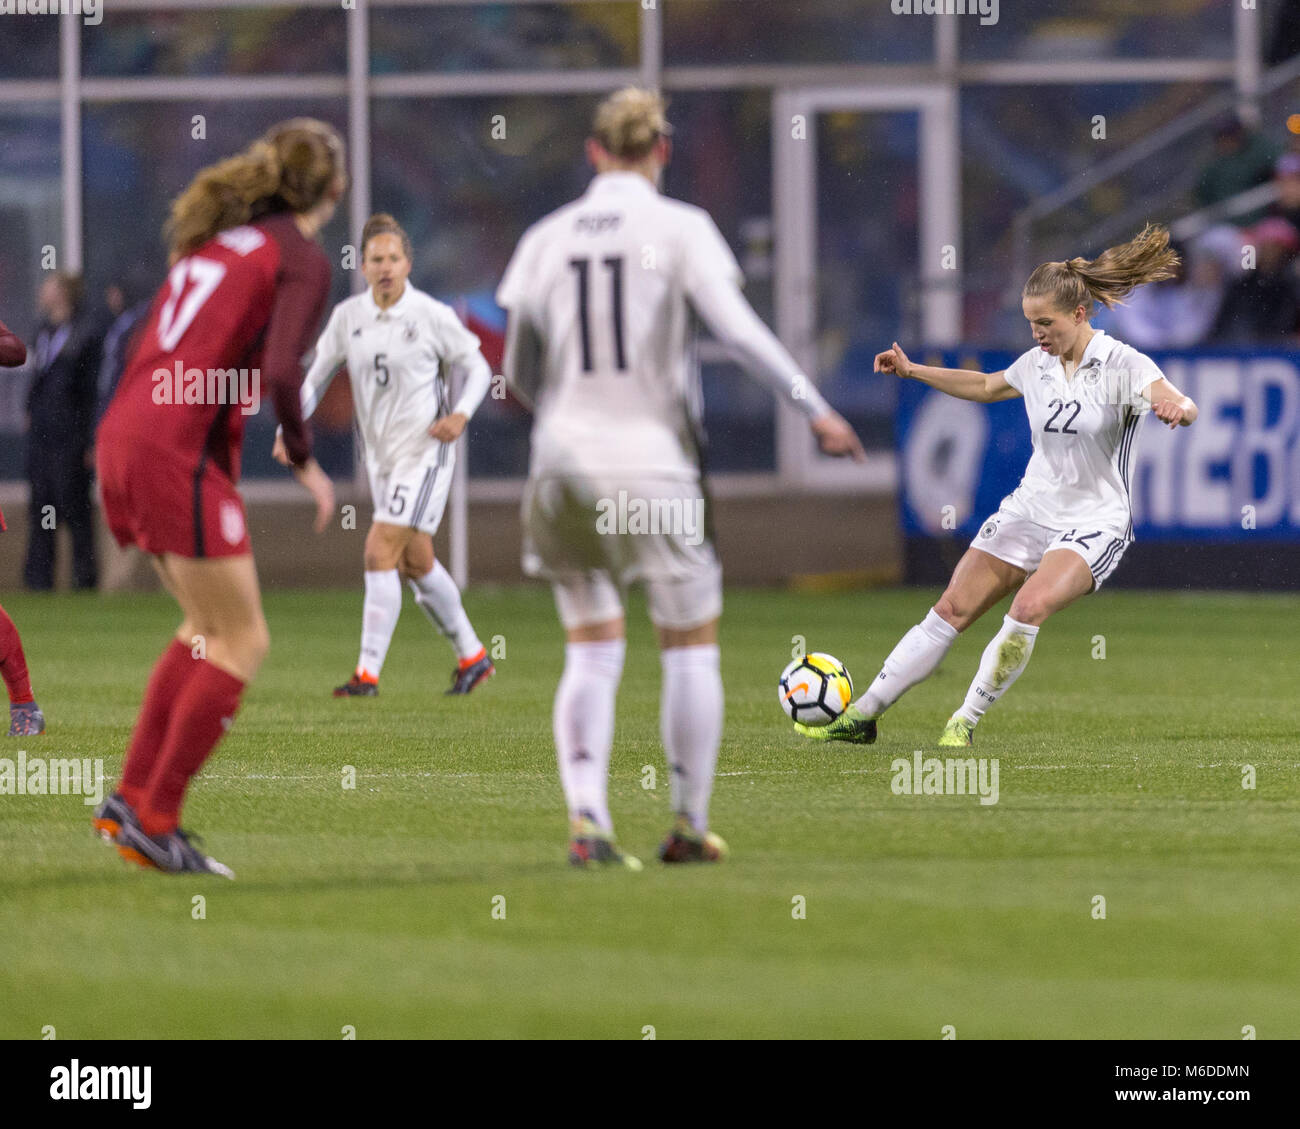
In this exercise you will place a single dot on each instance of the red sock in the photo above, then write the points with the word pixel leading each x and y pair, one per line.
pixel 201 714
pixel 13 663
pixel 169 676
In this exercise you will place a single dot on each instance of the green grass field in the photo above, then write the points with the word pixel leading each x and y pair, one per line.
pixel 373 907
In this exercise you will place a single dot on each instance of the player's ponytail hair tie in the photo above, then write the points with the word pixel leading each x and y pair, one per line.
pixel 289 168
pixel 1109 278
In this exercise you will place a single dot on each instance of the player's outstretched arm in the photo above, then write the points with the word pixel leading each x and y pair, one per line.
pixel 1170 405
pixel 965 384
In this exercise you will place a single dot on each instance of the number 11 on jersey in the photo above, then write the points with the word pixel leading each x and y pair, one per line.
pixel 614 263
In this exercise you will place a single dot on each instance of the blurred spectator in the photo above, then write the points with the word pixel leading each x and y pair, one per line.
pixel 1286 175
pixel 1242 160
pixel 1263 306
pixel 1177 314
pixel 61 420
pixel 128 305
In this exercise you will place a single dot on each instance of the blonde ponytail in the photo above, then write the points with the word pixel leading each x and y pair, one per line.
pixel 1110 277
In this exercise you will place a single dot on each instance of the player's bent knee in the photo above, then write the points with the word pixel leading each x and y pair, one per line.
pixel 1029 609
pixel 948 610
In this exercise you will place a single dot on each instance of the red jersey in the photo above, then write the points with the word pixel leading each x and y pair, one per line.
pixel 229 326
pixel 12 351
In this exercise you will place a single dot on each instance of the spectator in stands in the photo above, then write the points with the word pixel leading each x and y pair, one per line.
pixel 1262 307
pixel 128 303
pixel 1286 175
pixel 61 421
pixel 1243 159
pixel 1177 314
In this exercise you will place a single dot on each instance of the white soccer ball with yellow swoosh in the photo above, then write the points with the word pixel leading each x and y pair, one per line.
pixel 815 689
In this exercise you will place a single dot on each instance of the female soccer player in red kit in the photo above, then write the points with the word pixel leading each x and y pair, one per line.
pixel 246 291
pixel 25 717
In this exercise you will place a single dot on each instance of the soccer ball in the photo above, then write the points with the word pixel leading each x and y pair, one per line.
pixel 815 689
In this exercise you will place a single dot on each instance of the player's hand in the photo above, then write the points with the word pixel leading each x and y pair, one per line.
pixel 279 452
pixel 449 428
pixel 835 437
pixel 1171 412
pixel 320 487
pixel 895 361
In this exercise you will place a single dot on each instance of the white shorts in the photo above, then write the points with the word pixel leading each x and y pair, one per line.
pixel 414 493
pixel 1022 543
pixel 592 538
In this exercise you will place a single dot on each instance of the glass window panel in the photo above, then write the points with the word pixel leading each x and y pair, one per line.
pixel 31 216
pixel 867 252
pixel 137 158
pixel 1021 143
pixel 509 37
pixel 29 46
pixel 727 32
pixel 216 42
pixel 722 161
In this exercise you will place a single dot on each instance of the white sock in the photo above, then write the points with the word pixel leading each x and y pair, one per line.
pixel 690 723
pixel 379 619
pixel 913 660
pixel 438 595
pixel 583 724
pixel 1004 658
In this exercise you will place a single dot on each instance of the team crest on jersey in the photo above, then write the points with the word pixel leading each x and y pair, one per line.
pixel 411 332
pixel 990 528
pixel 232 522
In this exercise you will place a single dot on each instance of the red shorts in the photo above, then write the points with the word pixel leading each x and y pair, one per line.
pixel 164 502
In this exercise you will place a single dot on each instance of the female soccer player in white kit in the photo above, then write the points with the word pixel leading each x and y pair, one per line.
pixel 401 347
pixel 1062 531
pixel 597 295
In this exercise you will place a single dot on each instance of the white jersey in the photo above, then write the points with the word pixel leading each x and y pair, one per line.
pixel 399 361
pixel 1084 431
pixel 598 295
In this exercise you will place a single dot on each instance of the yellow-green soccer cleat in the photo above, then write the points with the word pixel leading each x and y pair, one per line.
pixel 852 725
pixel 591 846
pixel 957 734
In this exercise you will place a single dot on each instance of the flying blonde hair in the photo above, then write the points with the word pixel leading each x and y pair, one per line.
pixel 1109 278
